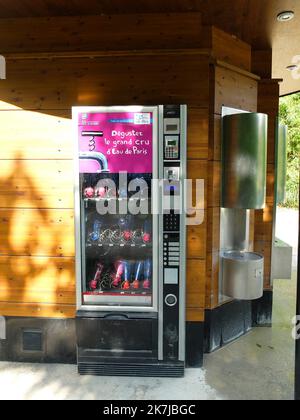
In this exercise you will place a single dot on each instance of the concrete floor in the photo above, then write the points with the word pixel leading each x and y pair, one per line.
pixel 259 366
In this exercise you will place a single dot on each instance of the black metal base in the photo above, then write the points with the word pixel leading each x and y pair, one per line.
pixel 145 368
pixel 262 310
pixel 122 344
pixel 231 321
pixel 194 344
pixel 39 340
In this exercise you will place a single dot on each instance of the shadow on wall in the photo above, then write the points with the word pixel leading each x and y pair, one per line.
pixel 36 247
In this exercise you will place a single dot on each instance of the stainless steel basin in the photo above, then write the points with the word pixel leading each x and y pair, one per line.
pixel 243 275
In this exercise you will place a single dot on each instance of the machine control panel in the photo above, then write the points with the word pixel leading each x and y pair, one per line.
pixel 173 258
pixel 172 128
pixel 172 147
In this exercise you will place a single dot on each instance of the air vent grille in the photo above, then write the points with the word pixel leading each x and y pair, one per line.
pixel 159 371
pixel 32 340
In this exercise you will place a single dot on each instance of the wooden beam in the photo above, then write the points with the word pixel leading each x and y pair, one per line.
pixel 238 70
pixel 262 63
pixel 106 54
pixel 230 49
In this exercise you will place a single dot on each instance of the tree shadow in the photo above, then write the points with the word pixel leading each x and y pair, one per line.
pixel 32 268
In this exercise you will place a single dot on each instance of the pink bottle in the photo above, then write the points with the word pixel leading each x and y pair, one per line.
pixel 119 266
pixel 94 283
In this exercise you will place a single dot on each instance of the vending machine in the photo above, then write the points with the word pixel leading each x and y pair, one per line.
pixel 130 240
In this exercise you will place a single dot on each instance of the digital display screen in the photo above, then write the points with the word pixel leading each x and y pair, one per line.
pixel 172 127
pixel 172 143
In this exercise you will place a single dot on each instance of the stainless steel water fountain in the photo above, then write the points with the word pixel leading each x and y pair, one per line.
pixel 244 162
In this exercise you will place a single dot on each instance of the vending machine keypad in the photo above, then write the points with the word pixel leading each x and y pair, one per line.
pixel 172 147
pixel 171 222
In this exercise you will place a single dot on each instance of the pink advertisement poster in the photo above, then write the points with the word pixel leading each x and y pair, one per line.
pixel 116 142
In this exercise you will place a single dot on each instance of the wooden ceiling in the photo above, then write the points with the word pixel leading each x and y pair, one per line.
pixel 254 21
pixel 28 8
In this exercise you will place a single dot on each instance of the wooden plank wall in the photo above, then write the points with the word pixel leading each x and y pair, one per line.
pixel 36 175
pixel 103 61
pixel 36 214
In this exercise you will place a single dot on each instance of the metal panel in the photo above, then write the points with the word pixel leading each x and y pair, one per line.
pixel 183 239
pixel 182 263
pixel 244 160
pixel 282 261
pixel 77 206
pixel 281 162
pixel 161 253
pixel 278 270
pixel 235 230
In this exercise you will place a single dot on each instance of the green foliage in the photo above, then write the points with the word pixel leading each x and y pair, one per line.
pixel 290 116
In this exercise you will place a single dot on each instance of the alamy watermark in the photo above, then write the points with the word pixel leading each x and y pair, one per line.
pixel 138 197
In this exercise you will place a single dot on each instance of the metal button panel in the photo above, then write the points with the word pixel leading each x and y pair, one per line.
pixel 171 254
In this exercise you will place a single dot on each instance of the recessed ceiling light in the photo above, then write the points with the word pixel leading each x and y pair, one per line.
pixel 292 67
pixel 286 16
